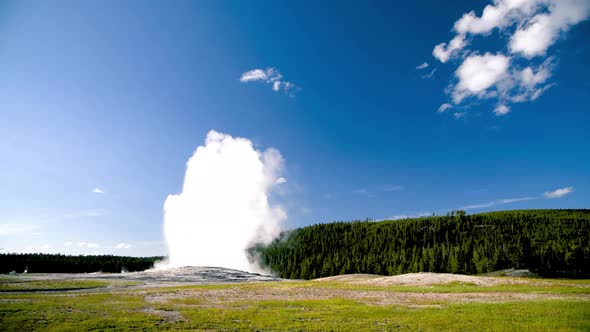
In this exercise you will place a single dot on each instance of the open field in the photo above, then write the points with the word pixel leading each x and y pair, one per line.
pixel 422 301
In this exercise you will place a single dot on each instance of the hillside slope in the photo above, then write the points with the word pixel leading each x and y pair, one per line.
pixel 549 242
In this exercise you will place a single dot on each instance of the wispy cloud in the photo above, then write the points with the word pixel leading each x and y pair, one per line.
pixel 514 200
pixel 429 75
pixel 379 188
pixel 422 66
pixel 9 229
pixel 444 107
pixel 123 245
pixel 509 77
pixel 497 202
pixel 362 191
pixel 82 244
pixel 392 188
pixel 558 192
pixel 501 110
pixel 89 245
pixel 270 76
pixel 98 191
pixel 84 214
pixel 478 206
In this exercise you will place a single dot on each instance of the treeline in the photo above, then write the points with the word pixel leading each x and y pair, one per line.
pixel 52 263
pixel 552 243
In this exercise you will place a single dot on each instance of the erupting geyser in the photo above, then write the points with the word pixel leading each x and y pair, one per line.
pixel 224 205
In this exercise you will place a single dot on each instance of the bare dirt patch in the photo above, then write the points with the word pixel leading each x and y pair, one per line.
pixel 221 297
pixel 424 279
pixel 167 315
pixel 350 277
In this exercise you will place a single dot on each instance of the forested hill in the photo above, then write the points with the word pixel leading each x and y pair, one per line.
pixel 549 242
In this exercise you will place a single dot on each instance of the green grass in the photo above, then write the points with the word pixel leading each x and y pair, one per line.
pixel 545 286
pixel 548 288
pixel 226 308
pixel 343 314
pixel 24 285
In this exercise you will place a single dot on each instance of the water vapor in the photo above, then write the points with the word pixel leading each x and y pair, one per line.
pixel 224 205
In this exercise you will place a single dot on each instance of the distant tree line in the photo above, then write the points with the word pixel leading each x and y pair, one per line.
pixel 52 263
pixel 552 243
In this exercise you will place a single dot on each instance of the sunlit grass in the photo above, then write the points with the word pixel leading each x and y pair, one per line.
pixel 227 307
pixel 12 284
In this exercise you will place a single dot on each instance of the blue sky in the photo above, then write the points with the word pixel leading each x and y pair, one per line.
pixel 116 96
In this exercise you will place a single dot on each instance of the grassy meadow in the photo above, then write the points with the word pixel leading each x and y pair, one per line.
pixel 537 305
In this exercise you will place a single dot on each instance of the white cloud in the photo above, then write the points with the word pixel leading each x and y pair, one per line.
pixel 532 26
pixel 501 14
pixel 123 245
pixel 501 110
pixel 98 191
pixel 478 73
pixel 558 192
pixel 281 180
pixel 256 75
pixel 477 206
pixel 393 188
pixel 514 200
pixel 422 66
pixel 270 76
pixel 443 52
pixel 85 214
pixel 535 36
pixel 14 228
pixel 276 86
pixel 68 244
pixel 90 245
pixel 497 202
pixel 429 75
pixel 444 107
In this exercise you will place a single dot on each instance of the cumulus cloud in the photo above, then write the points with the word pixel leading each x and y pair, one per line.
pixel 443 52
pixel 123 245
pixel 478 73
pixel 558 192
pixel 224 206
pixel 535 36
pixel 98 191
pixel 532 27
pixel 272 77
pixel 257 75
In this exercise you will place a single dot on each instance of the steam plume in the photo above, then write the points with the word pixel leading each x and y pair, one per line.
pixel 224 205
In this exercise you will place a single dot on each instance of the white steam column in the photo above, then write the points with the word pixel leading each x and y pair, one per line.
pixel 224 205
